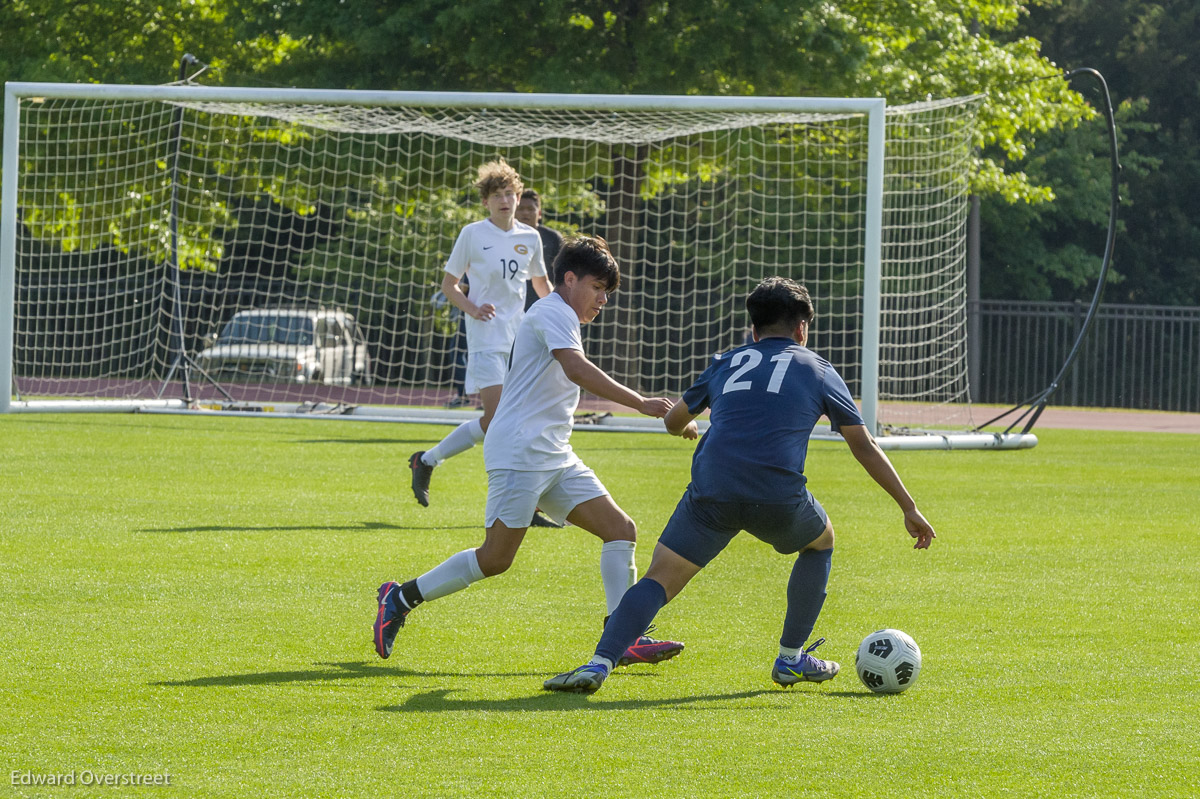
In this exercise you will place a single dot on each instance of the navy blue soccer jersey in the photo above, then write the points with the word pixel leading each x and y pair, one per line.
pixel 765 398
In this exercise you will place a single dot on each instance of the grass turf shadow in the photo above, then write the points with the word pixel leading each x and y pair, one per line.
pixel 439 701
pixel 362 527
pixel 330 673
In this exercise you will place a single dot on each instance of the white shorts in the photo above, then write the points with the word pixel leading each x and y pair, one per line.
pixel 513 496
pixel 485 369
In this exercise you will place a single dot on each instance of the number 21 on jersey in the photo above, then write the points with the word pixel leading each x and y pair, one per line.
pixel 746 361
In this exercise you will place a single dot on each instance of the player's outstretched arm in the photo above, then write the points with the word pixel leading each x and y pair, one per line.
pixel 585 374
pixel 681 422
pixel 875 462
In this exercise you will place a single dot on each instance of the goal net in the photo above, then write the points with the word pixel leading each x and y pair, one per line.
pixel 276 247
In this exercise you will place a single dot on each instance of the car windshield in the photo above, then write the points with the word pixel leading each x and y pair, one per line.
pixel 263 329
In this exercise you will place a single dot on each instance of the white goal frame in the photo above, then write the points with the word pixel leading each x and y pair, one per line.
pixel 874 109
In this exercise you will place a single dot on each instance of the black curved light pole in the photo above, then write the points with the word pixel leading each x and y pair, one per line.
pixel 1037 403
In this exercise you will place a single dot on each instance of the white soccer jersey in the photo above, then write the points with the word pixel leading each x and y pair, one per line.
pixel 497 264
pixel 532 427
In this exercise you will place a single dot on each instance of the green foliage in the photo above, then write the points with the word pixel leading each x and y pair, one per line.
pixel 936 50
pixel 902 51
pixel 1146 50
pixel 226 582
pixel 136 41
pixel 570 46
pixel 1055 250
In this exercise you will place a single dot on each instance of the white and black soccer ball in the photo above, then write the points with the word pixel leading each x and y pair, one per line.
pixel 888 661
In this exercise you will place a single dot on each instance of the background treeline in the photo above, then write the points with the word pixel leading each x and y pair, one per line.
pixel 1148 53
pixel 1042 169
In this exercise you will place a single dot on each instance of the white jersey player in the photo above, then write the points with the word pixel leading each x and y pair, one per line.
pixel 497 256
pixel 529 457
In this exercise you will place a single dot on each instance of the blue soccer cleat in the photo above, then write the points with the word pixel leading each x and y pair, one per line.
pixel 806 669
pixel 389 619
pixel 586 679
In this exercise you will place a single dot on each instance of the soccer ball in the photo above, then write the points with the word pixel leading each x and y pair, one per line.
pixel 888 661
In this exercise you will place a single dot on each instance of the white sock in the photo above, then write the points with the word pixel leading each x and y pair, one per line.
pixel 454 574
pixel 461 439
pixel 789 654
pixel 599 661
pixel 617 571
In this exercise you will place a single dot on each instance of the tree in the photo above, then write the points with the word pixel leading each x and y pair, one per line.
pixel 1147 52
pixel 1052 251
pixel 902 51
pixel 135 41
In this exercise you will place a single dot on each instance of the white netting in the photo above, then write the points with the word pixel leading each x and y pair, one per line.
pixel 923 330
pixel 508 127
pixel 354 210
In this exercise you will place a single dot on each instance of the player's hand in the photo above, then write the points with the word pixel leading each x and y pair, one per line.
pixel 485 312
pixel 656 407
pixel 919 529
pixel 691 432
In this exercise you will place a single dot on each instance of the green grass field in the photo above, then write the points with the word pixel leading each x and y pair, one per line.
pixel 193 597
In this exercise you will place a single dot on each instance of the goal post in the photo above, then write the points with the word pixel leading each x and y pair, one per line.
pixel 132 247
pixel 8 241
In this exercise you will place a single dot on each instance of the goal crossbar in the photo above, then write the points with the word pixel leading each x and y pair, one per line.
pixel 184 93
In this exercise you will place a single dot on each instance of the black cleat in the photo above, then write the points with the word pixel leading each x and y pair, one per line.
pixel 540 520
pixel 421 472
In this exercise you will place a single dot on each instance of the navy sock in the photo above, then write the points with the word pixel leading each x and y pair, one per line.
pixel 805 595
pixel 638 608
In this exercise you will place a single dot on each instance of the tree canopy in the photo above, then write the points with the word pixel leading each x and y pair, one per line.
pixel 1031 145
pixel 1147 52
pixel 901 51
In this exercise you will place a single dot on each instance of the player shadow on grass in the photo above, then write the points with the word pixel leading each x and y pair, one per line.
pixel 332 673
pixel 439 701
pixel 339 528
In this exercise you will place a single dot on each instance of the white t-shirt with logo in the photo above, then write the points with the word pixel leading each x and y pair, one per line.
pixel 498 262
pixel 531 430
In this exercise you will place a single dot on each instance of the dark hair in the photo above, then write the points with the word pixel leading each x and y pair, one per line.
pixel 779 302
pixel 531 194
pixel 587 256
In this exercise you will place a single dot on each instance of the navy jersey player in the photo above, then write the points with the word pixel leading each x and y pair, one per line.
pixel 748 474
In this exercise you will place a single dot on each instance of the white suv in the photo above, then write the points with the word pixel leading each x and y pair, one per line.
pixel 293 345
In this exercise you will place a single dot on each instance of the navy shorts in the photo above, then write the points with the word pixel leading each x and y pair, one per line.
pixel 699 530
